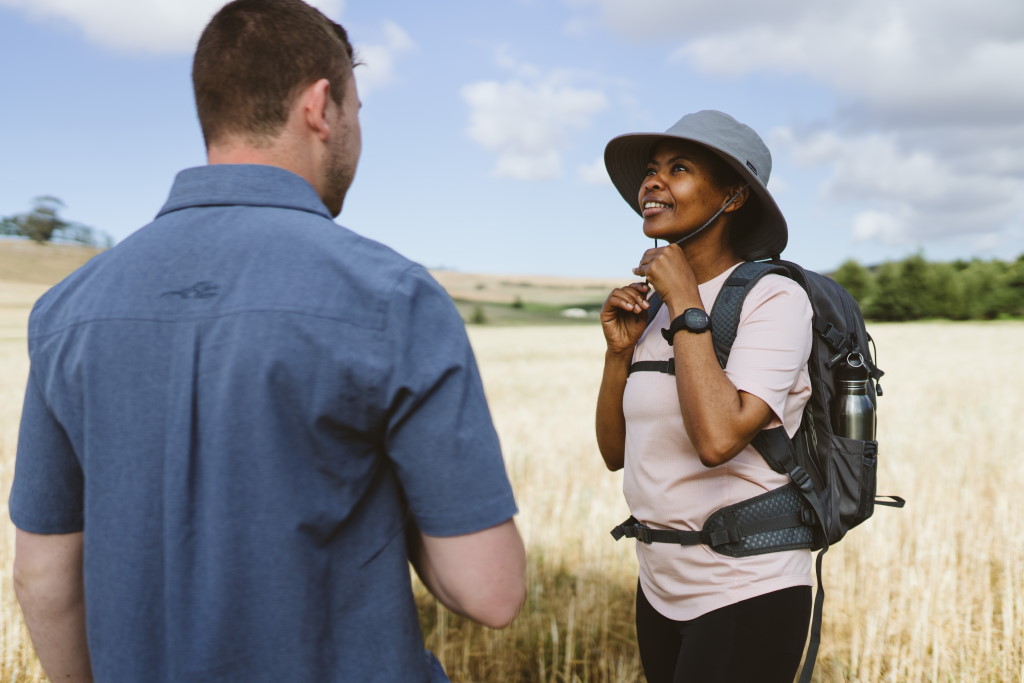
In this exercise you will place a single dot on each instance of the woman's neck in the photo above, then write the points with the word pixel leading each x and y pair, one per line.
pixel 710 257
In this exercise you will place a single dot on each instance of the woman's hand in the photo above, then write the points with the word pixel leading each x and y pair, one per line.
pixel 624 317
pixel 668 271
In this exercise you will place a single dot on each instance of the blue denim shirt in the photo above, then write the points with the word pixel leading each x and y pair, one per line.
pixel 245 405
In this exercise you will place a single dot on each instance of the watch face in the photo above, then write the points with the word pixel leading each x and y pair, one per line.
pixel 695 319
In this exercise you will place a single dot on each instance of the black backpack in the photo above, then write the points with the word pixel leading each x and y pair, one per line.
pixel 833 478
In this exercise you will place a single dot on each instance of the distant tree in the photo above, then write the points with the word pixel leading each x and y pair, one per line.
pixel 44 224
pixel 910 289
pixel 983 282
pixel 961 290
pixel 1012 286
pixel 919 281
pixel 478 316
pixel 890 301
pixel 914 288
pixel 856 279
pixel 947 296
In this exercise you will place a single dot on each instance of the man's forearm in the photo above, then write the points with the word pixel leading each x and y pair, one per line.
pixel 48 585
pixel 481 575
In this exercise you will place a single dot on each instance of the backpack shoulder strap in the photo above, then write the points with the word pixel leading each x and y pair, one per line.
pixel 655 305
pixel 725 313
pixel 669 366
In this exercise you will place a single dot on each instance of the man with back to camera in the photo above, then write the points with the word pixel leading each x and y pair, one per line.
pixel 242 422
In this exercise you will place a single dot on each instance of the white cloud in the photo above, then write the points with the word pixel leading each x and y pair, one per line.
pixel 878 226
pixel 888 70
pixel 527 120
pixel 594 173
pixel 900 227
pixel 160 26
pixel 914 194
pixel 379 59
pixel 926 141
pixel 940 59
pixel 877 167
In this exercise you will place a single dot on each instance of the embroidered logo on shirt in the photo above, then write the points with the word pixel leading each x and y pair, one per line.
pixel 200 290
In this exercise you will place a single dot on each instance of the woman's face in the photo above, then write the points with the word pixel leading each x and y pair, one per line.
pixel 679 192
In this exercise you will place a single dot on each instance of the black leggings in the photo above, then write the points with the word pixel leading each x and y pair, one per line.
pixel 760 639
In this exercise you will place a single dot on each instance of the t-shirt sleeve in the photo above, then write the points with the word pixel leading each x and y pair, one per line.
pixel 48 490
pixel 439 435
pixel 773 341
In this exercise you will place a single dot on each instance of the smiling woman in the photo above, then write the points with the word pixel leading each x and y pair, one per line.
pixel 683 434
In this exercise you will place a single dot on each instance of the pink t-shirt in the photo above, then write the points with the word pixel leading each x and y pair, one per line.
pixel 667 487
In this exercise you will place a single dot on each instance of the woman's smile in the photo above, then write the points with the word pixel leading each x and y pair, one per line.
pixel 651 207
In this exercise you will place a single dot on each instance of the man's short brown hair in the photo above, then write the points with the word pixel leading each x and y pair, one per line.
pixel 254 56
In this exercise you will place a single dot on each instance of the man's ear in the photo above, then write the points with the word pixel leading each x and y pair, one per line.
pixel 314 100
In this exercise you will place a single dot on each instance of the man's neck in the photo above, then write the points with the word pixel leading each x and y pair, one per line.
pixel 277 153
pixel 238 155
pixel 233 153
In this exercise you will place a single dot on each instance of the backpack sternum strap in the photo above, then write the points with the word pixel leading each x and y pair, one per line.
pixel 666 366
pixel 725 313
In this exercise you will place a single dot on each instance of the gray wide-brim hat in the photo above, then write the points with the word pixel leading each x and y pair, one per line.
pixel 626 158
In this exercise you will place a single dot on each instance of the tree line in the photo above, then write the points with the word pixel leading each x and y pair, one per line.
pixel 916 289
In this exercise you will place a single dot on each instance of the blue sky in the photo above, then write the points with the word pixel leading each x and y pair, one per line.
pixel 895 125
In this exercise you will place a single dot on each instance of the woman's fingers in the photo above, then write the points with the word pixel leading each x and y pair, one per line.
pixel 664 268
pixel 649 257
pixel 622 316
pixel 632 298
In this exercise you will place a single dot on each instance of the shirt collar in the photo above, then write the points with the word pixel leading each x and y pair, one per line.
pixel 242 185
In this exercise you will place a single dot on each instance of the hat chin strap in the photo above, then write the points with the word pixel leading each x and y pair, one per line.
pixel 708 222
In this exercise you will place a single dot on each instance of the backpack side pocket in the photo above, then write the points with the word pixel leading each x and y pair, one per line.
pixel 854 473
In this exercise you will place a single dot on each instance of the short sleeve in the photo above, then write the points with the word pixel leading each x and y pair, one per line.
pixel 440 436
pixel 47 494
pixel 773 342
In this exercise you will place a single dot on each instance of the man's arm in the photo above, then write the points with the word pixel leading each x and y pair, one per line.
pixel 48 584
pixel 481 575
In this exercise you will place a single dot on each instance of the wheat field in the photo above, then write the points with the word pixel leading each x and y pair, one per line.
pixel 932 592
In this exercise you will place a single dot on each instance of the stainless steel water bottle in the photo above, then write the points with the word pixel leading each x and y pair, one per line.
pixel 853 413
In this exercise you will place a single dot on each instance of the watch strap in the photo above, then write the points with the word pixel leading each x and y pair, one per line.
pixel 680 323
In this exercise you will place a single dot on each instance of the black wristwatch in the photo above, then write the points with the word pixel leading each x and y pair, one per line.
pixel 692 320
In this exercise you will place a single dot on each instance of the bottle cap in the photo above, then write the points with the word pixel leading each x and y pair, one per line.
pixel 853 369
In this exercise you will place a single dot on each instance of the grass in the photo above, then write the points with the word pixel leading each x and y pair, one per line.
pixel 17 660
pixel 928 593
pixel 24 261
pixel 527 313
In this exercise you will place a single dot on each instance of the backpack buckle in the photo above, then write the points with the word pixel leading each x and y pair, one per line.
pixel 723 537
pixel 643 533
pixel 802 479
pixel 807 517
pixel 834 337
